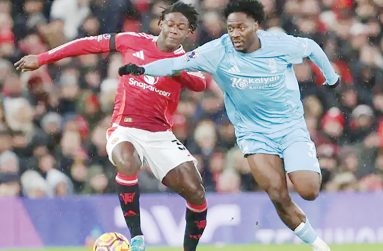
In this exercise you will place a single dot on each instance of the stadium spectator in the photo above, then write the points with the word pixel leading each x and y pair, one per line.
pixel 58 182
pixel 212 27
pixel 97 182
pixel 73 14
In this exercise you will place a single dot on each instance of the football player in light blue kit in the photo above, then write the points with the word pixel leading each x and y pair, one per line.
pixel 254 69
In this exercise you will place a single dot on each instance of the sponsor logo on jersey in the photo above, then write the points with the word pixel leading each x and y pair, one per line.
pixel 139 54
pixel 150 80
pixel 149 87
pixel 255 83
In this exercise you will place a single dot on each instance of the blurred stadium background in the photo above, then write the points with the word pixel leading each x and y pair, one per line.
pixel 56 181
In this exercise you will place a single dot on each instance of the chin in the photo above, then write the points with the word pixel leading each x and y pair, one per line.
pixel 240 49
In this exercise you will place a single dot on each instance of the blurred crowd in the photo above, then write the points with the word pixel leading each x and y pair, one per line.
pixel 53 120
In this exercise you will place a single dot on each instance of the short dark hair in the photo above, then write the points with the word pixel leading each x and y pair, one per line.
pixel 186 9
pixel 252 8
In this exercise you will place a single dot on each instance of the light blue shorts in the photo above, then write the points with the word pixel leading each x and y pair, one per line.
pixel 294 146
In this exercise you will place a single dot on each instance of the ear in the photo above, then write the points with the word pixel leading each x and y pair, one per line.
pixel 256 26
pixel 160 24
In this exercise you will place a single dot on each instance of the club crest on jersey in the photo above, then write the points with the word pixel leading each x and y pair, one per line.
pixel 191 55
pixel 150 80
pixel 114 140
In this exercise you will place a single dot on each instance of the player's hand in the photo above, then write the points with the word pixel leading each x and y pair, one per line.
pixel 131 69
pixel 334 85
pixel 27 63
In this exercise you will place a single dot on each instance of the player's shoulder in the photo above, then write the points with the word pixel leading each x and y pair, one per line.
pixel 136 36
pixel 278 40
pixel 273 35
pixel 225 40
pixel 279 37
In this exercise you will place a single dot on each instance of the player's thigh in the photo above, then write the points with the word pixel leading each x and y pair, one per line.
pixel 125 156
pixel 164 152
pixel 122 150
pixel 267 170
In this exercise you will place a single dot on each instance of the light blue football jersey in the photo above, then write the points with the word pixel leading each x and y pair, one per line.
pixel 260 88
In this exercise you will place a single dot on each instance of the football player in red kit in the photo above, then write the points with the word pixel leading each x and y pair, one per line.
pixel 142 117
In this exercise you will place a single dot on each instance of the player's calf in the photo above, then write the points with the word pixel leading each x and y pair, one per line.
pixel 185 180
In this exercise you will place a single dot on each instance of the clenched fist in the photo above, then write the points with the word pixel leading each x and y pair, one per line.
pixel 131 69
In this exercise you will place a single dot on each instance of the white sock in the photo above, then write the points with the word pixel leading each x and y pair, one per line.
pixel 305 232
pixel 319 244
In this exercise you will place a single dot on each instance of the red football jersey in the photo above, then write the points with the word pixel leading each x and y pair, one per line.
pixel 143 102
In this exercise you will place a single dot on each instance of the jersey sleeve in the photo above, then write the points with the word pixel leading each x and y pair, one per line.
pixel 82 46
pixel 300 48
pixel 194 81
pixel 125 40
pixel 205 58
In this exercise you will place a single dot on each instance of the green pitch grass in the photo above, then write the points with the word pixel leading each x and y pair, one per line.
pixel 363 247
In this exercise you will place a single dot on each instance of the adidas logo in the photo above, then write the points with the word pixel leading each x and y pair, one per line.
pixel 234 69
pixel 139 54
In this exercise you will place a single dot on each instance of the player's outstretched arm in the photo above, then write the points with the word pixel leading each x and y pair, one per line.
pixel 163 67
pixel 205 58
pixel 82 46
pixel 194 81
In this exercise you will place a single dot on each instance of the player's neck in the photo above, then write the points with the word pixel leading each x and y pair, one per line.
pixel 255 45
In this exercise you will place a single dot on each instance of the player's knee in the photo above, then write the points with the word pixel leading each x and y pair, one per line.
pixel 196 194
pixel 311 194
pixel 308 191
pixel 126 163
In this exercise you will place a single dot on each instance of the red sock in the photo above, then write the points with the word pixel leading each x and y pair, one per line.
pixel 195 225
pixel 129 195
